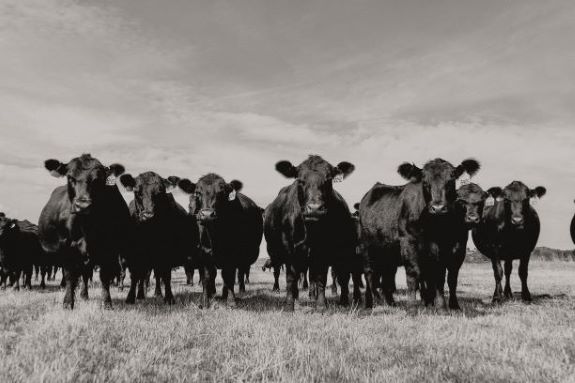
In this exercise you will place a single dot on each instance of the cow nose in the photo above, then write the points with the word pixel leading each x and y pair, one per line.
pixel 437 209
pixel 472 218
pixel 313 207
pixel 82 203
pixel 207 214
pixel 517 220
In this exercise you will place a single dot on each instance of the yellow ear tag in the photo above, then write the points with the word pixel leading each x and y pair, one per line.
pixel 232 195
pixel 338 178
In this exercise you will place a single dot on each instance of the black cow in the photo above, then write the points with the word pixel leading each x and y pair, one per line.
pixel 509 231
pixel 85 223
pixel 231 228
pixel 309 223
pixel 19 250
pixel 452 233
pixel 165 236
pixel 400 227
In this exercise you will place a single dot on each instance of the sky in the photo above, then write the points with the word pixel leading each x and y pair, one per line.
pixel 185 87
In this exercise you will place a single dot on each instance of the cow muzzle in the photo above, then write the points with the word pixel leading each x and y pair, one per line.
pixel 472 219
pixel 314 211
pixel 146 216
pixel 517 221
pixel 438 209
pixel 81 205
pixel 207 215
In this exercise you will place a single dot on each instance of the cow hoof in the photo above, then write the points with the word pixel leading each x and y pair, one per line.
pixel 68 305
pixel 232 304
pixel 107 305
pixel 169 300
pixel 508 294
pixel 526 297
pixel 454 306
pixel 84 295
pixel 412 311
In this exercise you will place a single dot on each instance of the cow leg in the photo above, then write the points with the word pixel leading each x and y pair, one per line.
pixel 276 287
pixel 508 268
pixel 167 278
pixel 387 282
pixel 134 281
pixel 343 280
pixel 320 285
pixel 523 266
pixel 334 277
pixel 28 277
pixel 206 286
pixel 85 280
pixel 247 273
pixel 142 278
pixel 498 274
pixel 291 287
pixel 356 277
pixel 189 275
pixel 241 279
pixel 71 279
pixel 410 256
pixel 16 278
pixel 158 288
pixel 452 283
pixel 229 277
pixel 44 272
pixel 106 276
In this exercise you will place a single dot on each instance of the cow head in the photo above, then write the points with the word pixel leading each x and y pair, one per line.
pixel 86 177
pixel 438 181
pixel 471 198
pixel 8 226
pixel 150 192
pixel 314 179
pixel 516 198
pixel 210 196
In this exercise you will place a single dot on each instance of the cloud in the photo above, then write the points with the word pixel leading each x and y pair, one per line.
pixel 195 87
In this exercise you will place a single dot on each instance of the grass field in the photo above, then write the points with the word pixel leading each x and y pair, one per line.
pixel 256 341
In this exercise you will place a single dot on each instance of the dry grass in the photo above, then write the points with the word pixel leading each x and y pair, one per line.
pixel 258 342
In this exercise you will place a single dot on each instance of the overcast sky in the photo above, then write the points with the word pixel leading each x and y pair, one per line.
pixel 187 87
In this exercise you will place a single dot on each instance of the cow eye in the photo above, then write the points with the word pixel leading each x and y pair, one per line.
pixel 72 180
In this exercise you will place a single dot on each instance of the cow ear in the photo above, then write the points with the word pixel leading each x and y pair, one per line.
pixel 409 171
pixel 286 169
pixel 116 170
pixel 469 165
pixel 187 186
pixel 236 185
pixel 174 180
pixel 343 169
pixel 128 181
pixel 495 192
pixel 538 192
pixel 56 168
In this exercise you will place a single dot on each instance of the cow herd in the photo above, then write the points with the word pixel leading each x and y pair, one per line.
pixel 422 225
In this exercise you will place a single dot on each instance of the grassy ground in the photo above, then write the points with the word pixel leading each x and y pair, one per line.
pixel 258 342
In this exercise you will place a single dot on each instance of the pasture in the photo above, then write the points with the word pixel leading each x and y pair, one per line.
pixel 256 341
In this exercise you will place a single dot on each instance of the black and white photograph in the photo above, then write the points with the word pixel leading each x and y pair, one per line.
pixel 287 191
